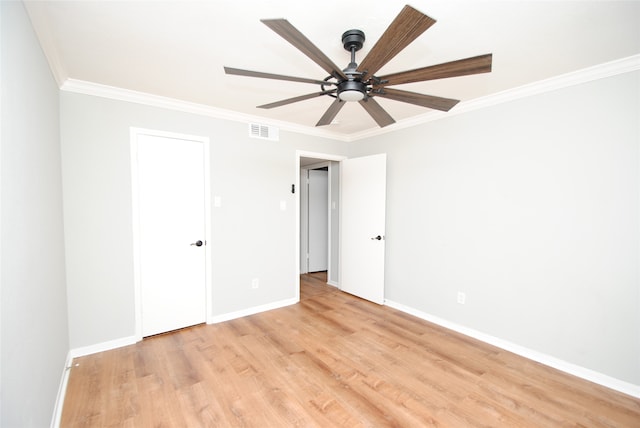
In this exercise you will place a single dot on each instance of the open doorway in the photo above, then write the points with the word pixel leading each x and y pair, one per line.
pixel 318 230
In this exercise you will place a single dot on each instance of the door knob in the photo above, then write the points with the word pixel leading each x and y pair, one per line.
pixel 377 238
pixel 197 244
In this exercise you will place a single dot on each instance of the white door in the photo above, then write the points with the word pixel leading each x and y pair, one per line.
pixel 318 220
pixel 171 207
pixel 363 186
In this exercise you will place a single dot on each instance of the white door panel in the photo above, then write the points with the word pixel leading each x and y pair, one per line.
pixel 363 199
pixel 172 217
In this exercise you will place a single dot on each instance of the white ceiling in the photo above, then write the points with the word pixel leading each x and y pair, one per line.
pixel 177 49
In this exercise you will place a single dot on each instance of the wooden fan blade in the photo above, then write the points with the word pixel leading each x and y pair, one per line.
pixel 331 112
pixel 376 111
pixel 249 73
pixel 408 25
pixel 300 41
pixel 430 101
pixel 461 67
pixel 295 99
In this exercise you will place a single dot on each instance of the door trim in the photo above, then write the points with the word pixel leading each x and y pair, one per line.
pixel 304 197
pixel 322 157
pixel 134 133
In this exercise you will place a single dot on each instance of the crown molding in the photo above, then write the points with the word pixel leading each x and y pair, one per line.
pixel 601 71
pixel 111 92
pixel 613 68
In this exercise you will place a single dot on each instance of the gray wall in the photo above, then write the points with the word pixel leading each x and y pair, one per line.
pixel 531 209
pixel 252 237
pixel 34 309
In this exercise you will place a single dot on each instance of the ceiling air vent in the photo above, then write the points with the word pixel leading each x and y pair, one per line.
pixel 263 131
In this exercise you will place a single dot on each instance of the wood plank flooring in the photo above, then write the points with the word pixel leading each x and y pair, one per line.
pixel 332 360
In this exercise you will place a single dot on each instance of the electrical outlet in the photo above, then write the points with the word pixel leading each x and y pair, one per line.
pixel 255 283
pixel 462 297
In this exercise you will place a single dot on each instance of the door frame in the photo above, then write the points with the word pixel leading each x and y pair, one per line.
pixel 134 133
pixel 304 197
pixel 322 157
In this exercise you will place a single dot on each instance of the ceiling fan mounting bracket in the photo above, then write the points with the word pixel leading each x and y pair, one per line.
pixel 353 39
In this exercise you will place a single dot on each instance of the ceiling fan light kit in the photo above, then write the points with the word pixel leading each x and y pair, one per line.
pixel 351 90
pixel 359 82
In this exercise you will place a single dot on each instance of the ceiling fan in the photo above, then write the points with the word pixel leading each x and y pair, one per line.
pixel 359 82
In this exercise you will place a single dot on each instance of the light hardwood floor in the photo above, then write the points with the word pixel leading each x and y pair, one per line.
pixel 332 360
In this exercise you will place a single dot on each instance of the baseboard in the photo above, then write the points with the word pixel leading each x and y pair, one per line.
pixel 101 347
pixel 548 360
pixel 333 283
pixel 62 391
pixel 80 352
pixel 214 319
